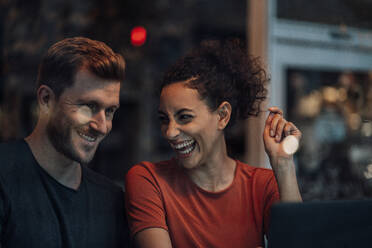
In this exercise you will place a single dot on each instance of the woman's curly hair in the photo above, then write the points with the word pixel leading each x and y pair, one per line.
pixel 223 71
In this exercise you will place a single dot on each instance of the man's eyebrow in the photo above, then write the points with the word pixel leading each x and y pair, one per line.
pixel 97 103
pixel 115 106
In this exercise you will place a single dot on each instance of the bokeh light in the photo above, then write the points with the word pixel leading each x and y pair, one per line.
pixel 138 36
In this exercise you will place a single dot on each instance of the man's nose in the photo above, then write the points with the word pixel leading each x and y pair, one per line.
pixel 99 122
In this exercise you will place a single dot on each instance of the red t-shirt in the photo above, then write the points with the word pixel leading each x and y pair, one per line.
pixel 162 195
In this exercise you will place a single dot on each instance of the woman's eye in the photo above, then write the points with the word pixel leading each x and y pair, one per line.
pixel 186 117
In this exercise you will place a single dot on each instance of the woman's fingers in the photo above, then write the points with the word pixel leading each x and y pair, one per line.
pixel 288 128
pixel 279 127
pixel 276 110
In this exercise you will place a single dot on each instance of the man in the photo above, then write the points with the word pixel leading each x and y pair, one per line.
pixel 48 198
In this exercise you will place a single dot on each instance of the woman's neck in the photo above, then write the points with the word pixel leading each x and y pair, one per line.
pixel 216 174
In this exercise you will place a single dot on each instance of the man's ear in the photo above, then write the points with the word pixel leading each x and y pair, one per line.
pixel 224 113
pixel 45 98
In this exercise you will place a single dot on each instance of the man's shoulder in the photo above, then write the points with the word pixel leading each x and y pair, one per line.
pixel 10 149
pixel 101 181
pixel 17 170
pixel 12 153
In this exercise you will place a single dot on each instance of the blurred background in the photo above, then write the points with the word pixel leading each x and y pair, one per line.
pixel 318 54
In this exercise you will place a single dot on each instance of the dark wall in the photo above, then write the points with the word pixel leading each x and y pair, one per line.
pixel 28 28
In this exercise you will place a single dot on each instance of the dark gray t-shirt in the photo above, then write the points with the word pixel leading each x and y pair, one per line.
pixel 38 211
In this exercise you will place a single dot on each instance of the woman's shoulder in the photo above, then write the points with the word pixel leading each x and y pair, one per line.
pixel 254 171
pixel 258 178
pixel 161 176
pixel 154 169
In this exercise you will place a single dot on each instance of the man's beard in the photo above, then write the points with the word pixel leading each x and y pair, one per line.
pixel 59 134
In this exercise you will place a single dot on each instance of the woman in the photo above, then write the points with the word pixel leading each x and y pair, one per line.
pixel 203 197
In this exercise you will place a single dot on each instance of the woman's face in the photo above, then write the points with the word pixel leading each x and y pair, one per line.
pixel 188 124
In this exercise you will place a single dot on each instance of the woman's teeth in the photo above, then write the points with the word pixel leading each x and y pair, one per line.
pixel 187 151
pixel 185 147
pixel 183 144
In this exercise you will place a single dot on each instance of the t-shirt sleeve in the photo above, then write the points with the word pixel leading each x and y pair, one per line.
pixel 271 197
pixel 144 204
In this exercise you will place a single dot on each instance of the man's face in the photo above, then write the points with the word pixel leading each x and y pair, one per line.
pixel 82 116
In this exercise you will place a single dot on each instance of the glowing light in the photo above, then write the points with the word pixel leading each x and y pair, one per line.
pixel 368 172
pixel 330 94
pixel 354 121
pixel 290 144
pixel 367 129
pixel 138 36
pixel 342 94
pixel 84 114
pixel 310 105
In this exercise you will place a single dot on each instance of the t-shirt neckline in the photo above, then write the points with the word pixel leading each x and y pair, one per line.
pixel 50 178
pixel 220 192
